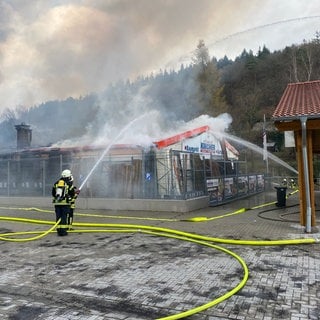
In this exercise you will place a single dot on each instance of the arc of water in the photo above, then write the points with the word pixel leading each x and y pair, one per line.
pixel 256 149
pixel 109 147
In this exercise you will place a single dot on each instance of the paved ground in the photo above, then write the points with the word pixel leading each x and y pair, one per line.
pixel 142 276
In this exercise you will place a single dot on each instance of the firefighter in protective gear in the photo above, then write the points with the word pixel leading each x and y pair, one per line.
pixel 72 204
pixel 62 193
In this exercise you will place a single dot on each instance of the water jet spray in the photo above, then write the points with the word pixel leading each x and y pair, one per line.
pixel 259 150
pixel 107 149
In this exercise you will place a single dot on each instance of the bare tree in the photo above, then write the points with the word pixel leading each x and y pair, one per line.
pixel 302 61
pixel 294 64
pixel 8 115
pixel 307 61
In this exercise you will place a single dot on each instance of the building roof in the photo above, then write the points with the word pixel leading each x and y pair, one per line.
pixel 231 150
pixel 181 136
pixel 299 99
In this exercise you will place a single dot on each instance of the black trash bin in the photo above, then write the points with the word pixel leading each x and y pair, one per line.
pixel 281 196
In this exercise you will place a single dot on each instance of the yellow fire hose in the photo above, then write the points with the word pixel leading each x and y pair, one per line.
pixel 170 231
pixel 193 219
pixel 165 232
pixel 158 231
pixel 146 230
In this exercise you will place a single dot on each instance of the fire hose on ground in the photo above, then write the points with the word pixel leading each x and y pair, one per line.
pixel 158 231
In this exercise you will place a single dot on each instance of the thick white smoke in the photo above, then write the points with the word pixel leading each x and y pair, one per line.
pixel 56 49
pixel 141 122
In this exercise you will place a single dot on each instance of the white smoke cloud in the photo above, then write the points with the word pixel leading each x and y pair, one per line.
pixel 141 122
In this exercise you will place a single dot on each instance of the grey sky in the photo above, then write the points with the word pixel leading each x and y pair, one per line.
pixel 56 49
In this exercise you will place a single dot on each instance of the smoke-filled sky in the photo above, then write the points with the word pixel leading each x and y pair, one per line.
pixel 53 49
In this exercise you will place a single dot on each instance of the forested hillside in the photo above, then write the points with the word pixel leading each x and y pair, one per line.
pixel 247 88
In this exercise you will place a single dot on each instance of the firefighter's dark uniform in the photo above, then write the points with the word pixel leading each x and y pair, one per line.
pixel 72 206
pixel 62 194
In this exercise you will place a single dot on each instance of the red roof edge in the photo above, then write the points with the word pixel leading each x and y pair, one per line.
pixel 231 148
pixel 185 135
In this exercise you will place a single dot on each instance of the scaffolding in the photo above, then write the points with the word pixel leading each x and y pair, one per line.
pixel 129 174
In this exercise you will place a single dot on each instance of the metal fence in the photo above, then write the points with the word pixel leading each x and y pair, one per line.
pixel 225 189
pixel 142 175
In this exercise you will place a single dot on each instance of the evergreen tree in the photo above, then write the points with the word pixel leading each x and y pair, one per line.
pixel 210 91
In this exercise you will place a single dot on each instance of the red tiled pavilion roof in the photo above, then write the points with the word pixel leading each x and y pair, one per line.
pixel 299 99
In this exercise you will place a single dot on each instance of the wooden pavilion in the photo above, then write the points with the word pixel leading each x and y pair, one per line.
pixel 299 111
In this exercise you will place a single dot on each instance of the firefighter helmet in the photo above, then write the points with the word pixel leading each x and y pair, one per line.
pixel 66 174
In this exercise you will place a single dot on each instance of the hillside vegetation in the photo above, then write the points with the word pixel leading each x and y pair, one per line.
pixel 248 87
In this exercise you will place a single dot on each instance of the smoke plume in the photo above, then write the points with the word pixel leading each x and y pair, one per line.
pixel 57 49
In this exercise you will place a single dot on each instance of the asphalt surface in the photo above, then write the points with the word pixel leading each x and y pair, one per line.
pixel 124 275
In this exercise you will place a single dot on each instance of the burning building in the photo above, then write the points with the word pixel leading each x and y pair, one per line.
pixel 188 165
